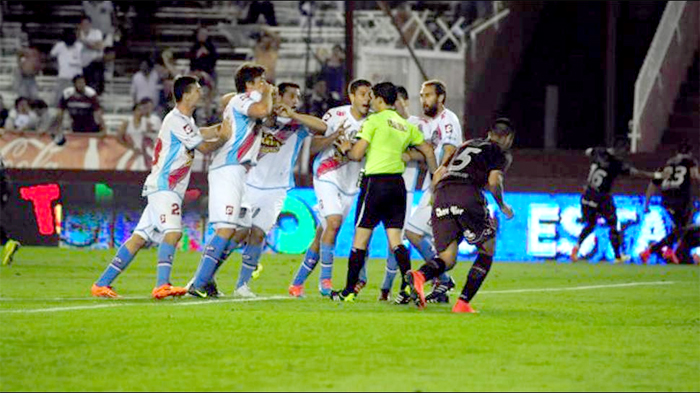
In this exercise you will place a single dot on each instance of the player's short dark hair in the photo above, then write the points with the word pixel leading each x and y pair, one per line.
pixel 183 85
pixel 356 84
pixel 402 92
pixel 247 72
pixel 502 127
pixel 79 76
pixel 282 87
pixel 387 91
pixel 438 85
pixel 85 17
pixel 69 37
pixel 20 99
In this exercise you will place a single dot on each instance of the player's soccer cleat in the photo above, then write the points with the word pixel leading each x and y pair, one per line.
pixel 105 291
pixel 360 284
pixel 385 295
pixel 574 254
pixel 296 290
pixel 645 255
pixel 197 292
pixel 416 280
pixel 244 292
pixel 213 289
pixel 167 290
pixel 439 293
pixel 670 255
pixel 463 307
pixel 403 298
pixel 9 251
pixel 696 259
pixel 337 296
pixel 622 259
pixel 257 271
pixel 326 287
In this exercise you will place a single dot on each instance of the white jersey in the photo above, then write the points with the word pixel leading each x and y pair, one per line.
pixel 278 153
pixel 410 175
pixel 244 144
pixel 173 155
pixel 331 167
pixel 441 130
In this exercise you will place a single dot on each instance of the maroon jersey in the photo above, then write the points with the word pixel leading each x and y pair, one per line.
pixel 473 161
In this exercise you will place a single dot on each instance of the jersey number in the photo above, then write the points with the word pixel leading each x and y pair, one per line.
pixel 596 176
pixel 674 178
pixel 463 159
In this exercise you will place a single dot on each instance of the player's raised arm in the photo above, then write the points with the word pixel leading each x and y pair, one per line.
pixel 639 173
pixel 315 125
pixel 262 108
pixel 496 188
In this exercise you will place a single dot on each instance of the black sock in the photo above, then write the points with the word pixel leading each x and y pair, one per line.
pixel 433 268
pixel 355 264
pixel 615 240
pixel 477 275
pixel 403 259
pixel 587 230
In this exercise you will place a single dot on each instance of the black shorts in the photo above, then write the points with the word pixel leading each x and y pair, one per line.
pixel 460 212
pixel 680 211
pixel 382 199
pixel 594 205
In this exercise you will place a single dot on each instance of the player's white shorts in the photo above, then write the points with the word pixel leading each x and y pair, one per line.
pixel 265 206
pixel 227 208
pixel 163 214
pixel 331 201
pixel 420 219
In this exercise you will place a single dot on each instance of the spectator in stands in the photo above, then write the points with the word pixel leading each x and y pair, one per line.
pixel 22 117
pixel 146 83
pixel 83 107
pixel 28 66
pixel 319 101
pixel 203 54
pixel 92 54
pixel 103 18
pixel 142 127
pixel 42 112
pixel 266 52
pixel 333 72
pixel 4 113
pixel 68 53
pixel 257 8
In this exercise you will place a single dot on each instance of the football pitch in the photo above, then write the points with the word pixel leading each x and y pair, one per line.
pixel 540 327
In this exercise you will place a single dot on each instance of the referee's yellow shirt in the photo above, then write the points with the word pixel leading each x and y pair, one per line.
pixel 389 135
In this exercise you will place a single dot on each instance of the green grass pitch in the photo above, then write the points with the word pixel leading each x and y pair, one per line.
pixel 544 327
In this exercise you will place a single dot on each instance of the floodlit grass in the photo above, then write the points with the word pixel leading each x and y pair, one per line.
pixel 644 336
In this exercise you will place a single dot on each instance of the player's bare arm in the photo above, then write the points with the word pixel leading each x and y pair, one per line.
pixel 651 190
pixel 496 188
pixel 448 151
pixel 427 150
pixel 639 173
pixel 695 173
pixel 262 108
pixel 316 125
pixel 223 133
pixel 357 151
pixel 210 133
pixel 225 100
pixel 320 143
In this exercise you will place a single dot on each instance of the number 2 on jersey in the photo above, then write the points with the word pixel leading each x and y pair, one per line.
pixel 463 159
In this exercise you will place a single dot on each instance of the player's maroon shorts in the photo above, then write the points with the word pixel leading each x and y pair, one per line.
pixel 595 204
pixel 460 212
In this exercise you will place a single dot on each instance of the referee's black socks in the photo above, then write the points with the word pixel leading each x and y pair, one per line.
pixel 355 264
pixel 403 259
pixel 477 275
pixel 433 268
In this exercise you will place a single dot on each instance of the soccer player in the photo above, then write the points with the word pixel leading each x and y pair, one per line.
pixel 606 166
pixel 383 139
pixel 268 182
pixel 161 221
pixel 460 210
pixel 335 184
pixel 445 134
pixel 675 184
pixel 689 239
pixel 227 175
pixel 10 246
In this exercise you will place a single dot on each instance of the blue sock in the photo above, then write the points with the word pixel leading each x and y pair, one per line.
pixel 230 248
pixel 165 263
pixel 426 249
pixel 119 263
pixel 210 259
pixel 327 251
pixel 306 267
pixel 390 273
pixel 251 257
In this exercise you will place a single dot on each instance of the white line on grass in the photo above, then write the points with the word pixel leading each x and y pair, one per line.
pixel 111 305
pixel 258 299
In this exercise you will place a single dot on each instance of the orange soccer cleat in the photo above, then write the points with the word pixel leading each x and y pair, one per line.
pixel 166 290
pixel 645 255
pixel 105 291
pixel 670 255
pixel 462 307
pixel 296 290
pixel 574 254
pixel 416 280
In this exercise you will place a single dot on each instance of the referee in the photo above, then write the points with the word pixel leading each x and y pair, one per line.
pixel 383 139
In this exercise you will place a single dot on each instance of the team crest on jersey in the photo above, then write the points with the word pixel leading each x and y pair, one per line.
pixel 188 129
